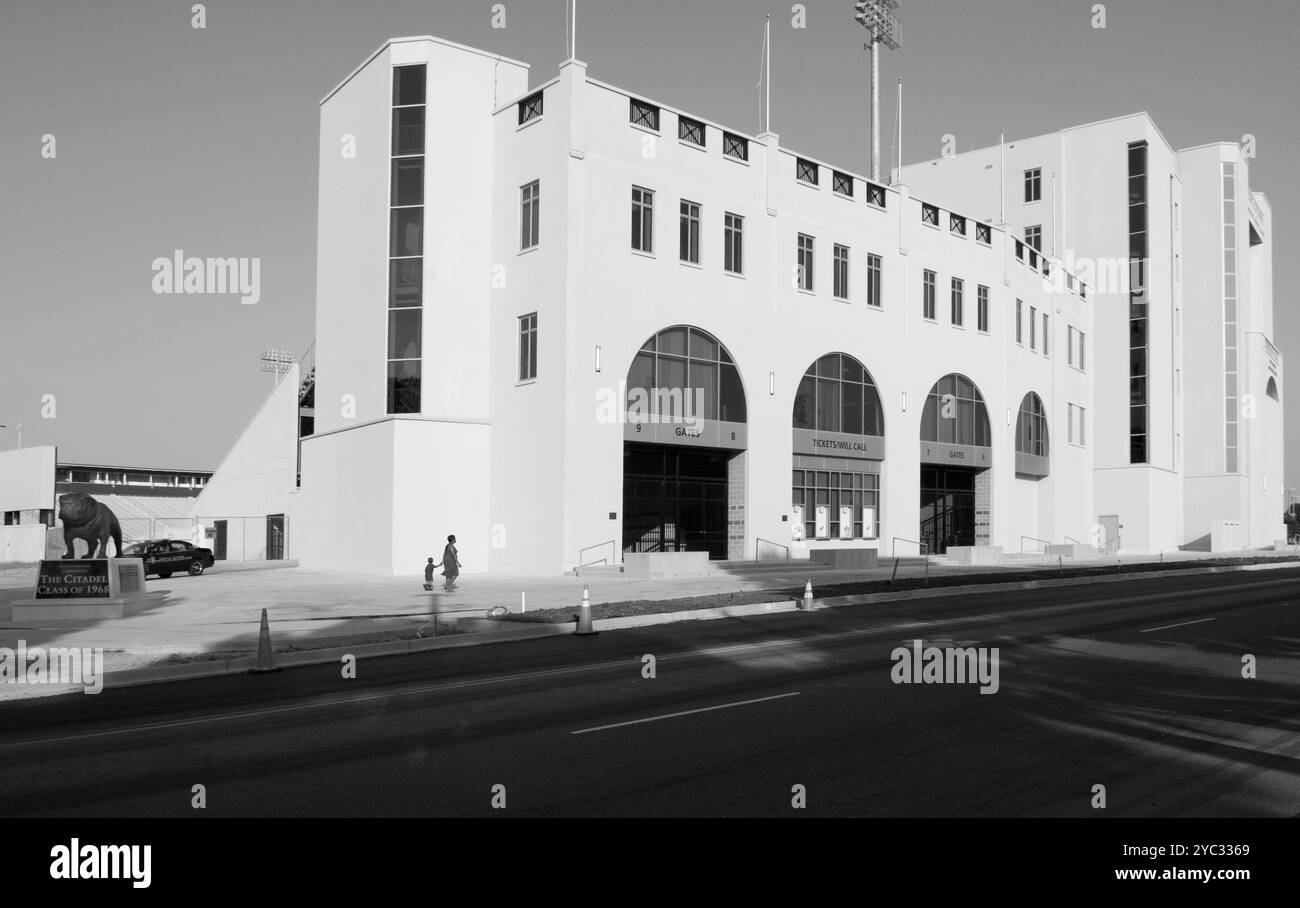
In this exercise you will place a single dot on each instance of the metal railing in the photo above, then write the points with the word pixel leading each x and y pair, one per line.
pixel 1069 539
pixel 924 548
pixel 581 565
pixel 1045 542
pixel 759 539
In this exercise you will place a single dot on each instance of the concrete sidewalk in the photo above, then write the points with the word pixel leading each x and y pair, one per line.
pixel 218 614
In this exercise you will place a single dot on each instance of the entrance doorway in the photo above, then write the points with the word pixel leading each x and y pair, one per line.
pixel 219 540
pixel 275 537
pixel 675 499
pixel 947 507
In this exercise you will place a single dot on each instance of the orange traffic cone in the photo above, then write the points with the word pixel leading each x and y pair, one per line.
pixel 265 657
pixel 806 604
pixel 584 614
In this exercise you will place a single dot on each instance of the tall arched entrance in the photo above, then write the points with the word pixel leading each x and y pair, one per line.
pixel 956 454
pixel 839 446
pixel 683 447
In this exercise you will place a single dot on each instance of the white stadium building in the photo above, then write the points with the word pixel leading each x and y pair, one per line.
pixel 569 323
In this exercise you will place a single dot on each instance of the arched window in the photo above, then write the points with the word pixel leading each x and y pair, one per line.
pixel 837 394
pixel 1271 388
pixel 1031 437
pixel 955 414
pixel 679 364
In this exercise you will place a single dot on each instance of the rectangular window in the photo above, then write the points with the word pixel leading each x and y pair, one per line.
pixel 408 130
pixel 733 243
pixel 689 241
pixel 841 272
pixel 984 234
pixel 930 214
pixel 1083 343
pixel 1070 422
pixel 643 204
pixel 957 224
pixel 528 347
pixel 1033 328
pixel 1069 345
pixel 928 295
pixel 530 108
pixel 1034 237
pixel 842 183
pixel 529 214
pixel 1020 328
pixel 1047 334
pixel 875 195
pixel 805 171
pixel 643 114
pixel 982 308
pixel 805 262
pixel 873 281
pixel 691 131
pixel 406 240
pixel 408 181
pixel 1083 425
pixel 1034 184
pixel 734 146
pixel 957 315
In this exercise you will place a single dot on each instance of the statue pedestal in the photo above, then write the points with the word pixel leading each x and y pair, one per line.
pixel 86 590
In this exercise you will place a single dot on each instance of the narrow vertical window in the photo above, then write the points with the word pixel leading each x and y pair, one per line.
pixel 841 274
pixel 1033 327
pixel 927 295
pixel 873 281
pixel 689 239
pixel 643 201
pixel 1020 328
pixel 805 262
pixel 734 243
pixel 529 214
pixel 1137 301
pixel 1046 336
pixel 956 313
pixel 982 308
pixel 406 241
pixel 528 347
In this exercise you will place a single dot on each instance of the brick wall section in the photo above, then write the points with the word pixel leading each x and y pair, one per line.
pixel 983 499
pixel 736 507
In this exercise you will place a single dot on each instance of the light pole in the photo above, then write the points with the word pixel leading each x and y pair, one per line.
pixel 877 17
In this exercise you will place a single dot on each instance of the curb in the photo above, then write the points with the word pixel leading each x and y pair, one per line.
pixel 1013 586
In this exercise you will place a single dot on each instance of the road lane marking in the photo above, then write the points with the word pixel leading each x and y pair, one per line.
pixel 1165 627
pixel 688 712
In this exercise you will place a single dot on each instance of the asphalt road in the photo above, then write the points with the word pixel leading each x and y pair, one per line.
pixel 1134 686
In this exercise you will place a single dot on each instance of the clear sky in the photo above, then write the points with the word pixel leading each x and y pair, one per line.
pixel 169 137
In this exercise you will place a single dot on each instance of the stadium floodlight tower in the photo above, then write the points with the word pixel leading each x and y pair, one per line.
pixel 879 17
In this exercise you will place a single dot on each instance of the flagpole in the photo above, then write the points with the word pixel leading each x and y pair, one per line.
pixel 1002 177
pixel 767 79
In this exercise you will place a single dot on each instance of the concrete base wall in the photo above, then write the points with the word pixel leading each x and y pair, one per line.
pixel 846 558
pixel 22 543
pixel 975 554
pixel 1070 550
pixel 651 565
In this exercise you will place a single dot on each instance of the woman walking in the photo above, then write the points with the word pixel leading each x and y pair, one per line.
pixel 450 565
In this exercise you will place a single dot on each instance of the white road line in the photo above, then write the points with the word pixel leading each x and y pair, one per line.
pixel 1165 627
pixel 689 712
